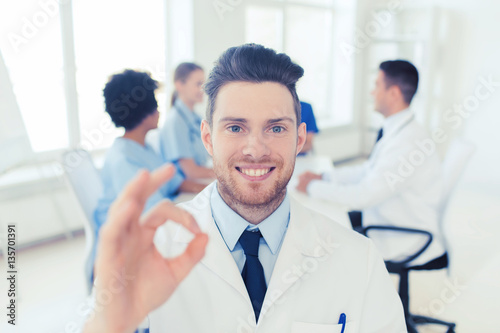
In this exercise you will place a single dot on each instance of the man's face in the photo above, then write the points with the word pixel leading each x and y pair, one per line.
pixel 254 141
pixel 381 94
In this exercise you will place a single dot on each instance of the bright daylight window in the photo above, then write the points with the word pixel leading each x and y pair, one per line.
pixel 311 33
pixel 111 36
pixel 32 49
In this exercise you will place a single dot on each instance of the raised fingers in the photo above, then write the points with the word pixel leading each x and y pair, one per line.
pixel 146 183
pixel 166 210
pixel 128 201
pixel 142 186
pixel 118 222
pixel 182 265
pixel 157 178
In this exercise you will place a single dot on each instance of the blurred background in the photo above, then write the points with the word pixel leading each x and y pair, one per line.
pixel 56 56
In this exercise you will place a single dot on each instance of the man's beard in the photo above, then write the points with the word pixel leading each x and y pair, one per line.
pixel 233 195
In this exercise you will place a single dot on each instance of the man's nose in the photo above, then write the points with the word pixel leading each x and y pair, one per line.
pixel 256 146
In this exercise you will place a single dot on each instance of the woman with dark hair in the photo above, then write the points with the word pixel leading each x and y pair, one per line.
pixel 180 137
pixel 131 103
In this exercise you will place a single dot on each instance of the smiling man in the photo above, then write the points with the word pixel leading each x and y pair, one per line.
pixel 271 265
pixel 256 139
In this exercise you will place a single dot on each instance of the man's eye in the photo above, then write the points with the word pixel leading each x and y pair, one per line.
pixel 235 129
pixel 277 129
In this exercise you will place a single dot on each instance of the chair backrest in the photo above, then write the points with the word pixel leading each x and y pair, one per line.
pixel 87 186
pixel 454 163
pixel 84 179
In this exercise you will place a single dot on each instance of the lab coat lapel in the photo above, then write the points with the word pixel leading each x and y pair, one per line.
pixel 217 257
pixel 302 241
pixel 389 135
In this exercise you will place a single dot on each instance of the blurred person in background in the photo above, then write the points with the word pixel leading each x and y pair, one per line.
pixel 180 136
pixel 131 103
pixel 307 117
pixel 382 190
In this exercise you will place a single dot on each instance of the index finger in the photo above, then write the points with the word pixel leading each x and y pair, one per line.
pixel 144 184
pixel 166 210
pixel 136 193
pixel 159 177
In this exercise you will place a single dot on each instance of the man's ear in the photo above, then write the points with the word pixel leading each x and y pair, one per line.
pixel 301 137
pixel 206 137
pixel 395 93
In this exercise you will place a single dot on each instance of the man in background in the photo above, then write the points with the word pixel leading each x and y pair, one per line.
pixel 398 185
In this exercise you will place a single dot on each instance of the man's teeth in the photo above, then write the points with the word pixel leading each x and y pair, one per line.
pixel 255 172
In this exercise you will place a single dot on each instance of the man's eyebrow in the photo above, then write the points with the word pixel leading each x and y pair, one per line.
pixel 233 119
pixel 278 120
pixel 244 120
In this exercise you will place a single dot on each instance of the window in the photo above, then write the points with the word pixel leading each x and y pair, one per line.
pixel 108 37
pixel 310 32
pixel 121 34
pixel 265 26
pixel 410 35
pixel 32 50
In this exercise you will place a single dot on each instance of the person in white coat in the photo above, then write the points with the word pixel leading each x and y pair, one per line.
pixel 270 265
pixel 400 183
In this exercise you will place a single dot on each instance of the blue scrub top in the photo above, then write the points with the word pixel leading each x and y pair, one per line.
pixel 180 136
pixel 123 160
pixel 307 116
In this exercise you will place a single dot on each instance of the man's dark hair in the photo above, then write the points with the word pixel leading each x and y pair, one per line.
pixel 252 63
pixel 403 74
pixel 129 98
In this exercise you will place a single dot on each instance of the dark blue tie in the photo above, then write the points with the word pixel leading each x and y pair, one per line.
pixel 380 134
pixel 253 273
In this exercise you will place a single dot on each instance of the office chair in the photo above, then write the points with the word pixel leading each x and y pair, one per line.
pixel 453 166
pixel 87 186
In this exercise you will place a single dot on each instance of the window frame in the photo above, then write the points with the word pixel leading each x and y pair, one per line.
pixel 327 123
pixel 70 85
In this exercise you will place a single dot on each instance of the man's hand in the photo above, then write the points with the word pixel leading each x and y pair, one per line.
pixel 132 276
pixel 305 179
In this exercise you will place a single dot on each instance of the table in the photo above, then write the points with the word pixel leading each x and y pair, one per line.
pixel 317 164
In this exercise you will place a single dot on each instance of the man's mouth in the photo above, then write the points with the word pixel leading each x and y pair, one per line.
pixel 252 172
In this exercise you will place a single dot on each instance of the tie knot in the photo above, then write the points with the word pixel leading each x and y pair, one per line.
pixel 249 241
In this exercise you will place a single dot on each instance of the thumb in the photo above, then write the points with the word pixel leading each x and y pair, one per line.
pixel 183 264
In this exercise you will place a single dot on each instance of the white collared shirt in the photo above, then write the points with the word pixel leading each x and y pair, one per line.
pixel 399 185
pixel 231 226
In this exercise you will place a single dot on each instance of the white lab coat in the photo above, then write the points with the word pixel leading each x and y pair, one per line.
pixel 399 185
pixel 323 270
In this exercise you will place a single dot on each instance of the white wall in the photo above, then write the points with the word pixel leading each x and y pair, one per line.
pixel 215 30
pixel 478 55
pixel 214 34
